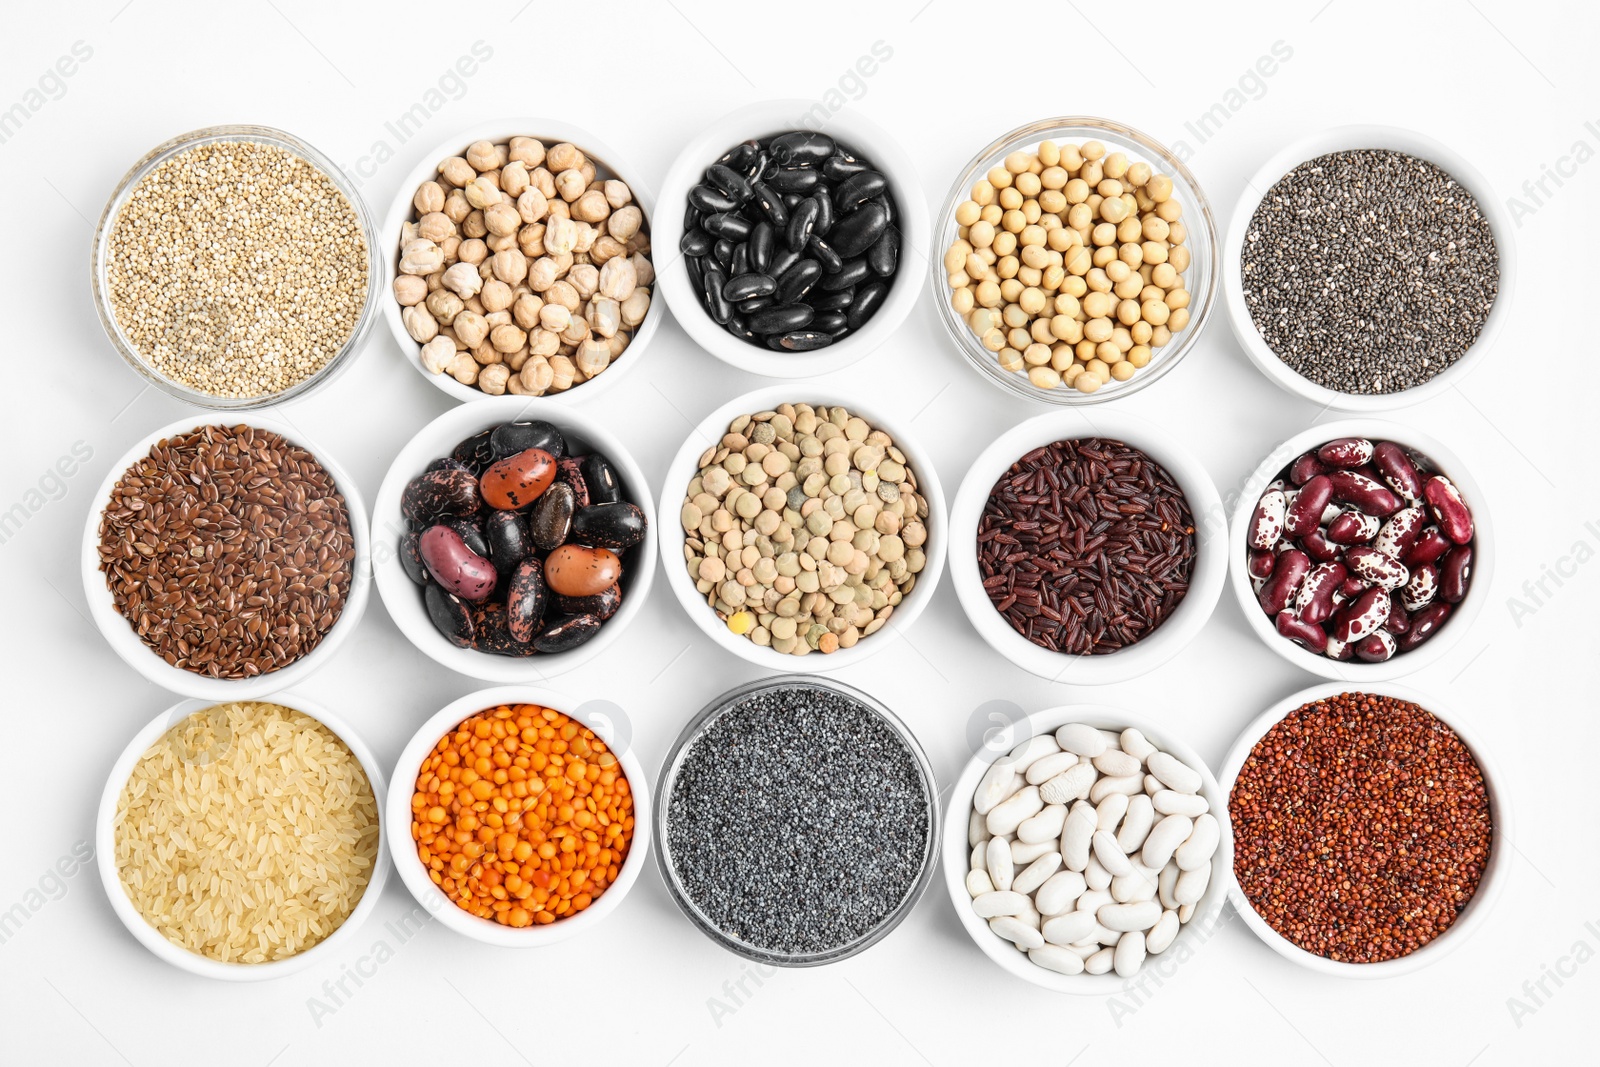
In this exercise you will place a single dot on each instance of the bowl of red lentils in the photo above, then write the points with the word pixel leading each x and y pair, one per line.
pixel 527 824
pixel 1371 834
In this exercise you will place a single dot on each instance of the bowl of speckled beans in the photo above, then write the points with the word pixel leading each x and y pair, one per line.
pixel 171 286
pixel 1367 268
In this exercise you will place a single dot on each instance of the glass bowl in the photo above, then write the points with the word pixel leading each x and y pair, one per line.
pixel 377 279
pixel 1200 279
pixel 663 802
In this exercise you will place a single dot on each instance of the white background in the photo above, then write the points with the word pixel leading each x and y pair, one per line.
pixel 1511 85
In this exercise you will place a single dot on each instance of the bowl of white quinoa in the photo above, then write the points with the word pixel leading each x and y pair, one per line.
pixel 235 267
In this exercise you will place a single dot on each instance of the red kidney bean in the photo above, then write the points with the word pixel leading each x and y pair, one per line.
pixel 1353 528
pixel 1399 533
pixel 1302 632
pixel 1318 547
pixel 1375 647
pixel 1376 568
pixel 1346 452
pixel 1399 620
pixel 1304 513
pixel 1306 468
pixel 1266 524
pixel 1313 602
pixel 1420 590
pixel 1448 509
pixel 1431 545
pixel 1455 573
pixel 1261 561
pixel 454 566
pixel 1425 623
pixel 1287 573
pixel 1399 473
pixel 1350 487
pixel 1364 615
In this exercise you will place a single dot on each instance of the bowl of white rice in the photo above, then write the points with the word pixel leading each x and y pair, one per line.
pixel 241 840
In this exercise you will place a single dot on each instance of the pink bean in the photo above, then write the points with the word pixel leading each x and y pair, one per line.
pixel 1399 473
pixel 1455 574
pixel 1362 492
pixel 1266 523
pixel 1448 509
pixel 1287 574
pixel 1346 452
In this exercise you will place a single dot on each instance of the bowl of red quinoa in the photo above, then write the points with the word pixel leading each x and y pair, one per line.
pixel 1370 833
pixel 1367 268
pixel 226 560
pixel 1087 549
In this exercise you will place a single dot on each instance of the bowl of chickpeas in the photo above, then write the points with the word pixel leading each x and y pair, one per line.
pixel 1079 261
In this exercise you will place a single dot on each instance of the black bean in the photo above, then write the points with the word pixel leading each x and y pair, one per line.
pixel 740 263
pixel 801 147
pixel 745 286
pixel 859 230
pixel 722 253
pixel 832 323
pixel 833 299
pixel 800 341
pixel 691 219
pixel 826 214
pixel 696 242
pixel 716 303
pixel 450 616
pixel 798 280
pixel 756 303
pixel 842 165
pixel 857 190
pixel 792 201
pixel 758 166
pixel 796 179
pixel 760 245
pixel 884 256
pixel 801 223
pixel 851 272
pixel 730 181
pixel 868 299
pixel 740 155
pixel 782 260
pixel 771 204
pixel 706 198
pixel 782 319
pixel 696 266
pixel 823 252
pixel 727 224
pixel 600 479
pixel 738 327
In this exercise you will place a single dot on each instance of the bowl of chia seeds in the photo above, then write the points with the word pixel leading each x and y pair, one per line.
pixel 1367 268
pixel 797 820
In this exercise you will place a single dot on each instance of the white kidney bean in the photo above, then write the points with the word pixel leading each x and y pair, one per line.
pixel 1192 885
pixel 1171 802
pixel 1185 912
pixel 1129 956
pixel 1023 853
pixel 1140 884
pixel 1096 874
pixel 1117 764
pixel 1001 902
pixel 998 782
pixel 1161 936
pixel 1059 892
pixel 1109 812
pixel 1071 784
pixel 1202 841
pixel 1125 917
pixel 1166 884
pixel 1164 839
pixel 980 857
pixel 1045 826
pixel 1031 751
pixel 1069 929
pixel 1128 786
pixel 1076 835
pixel 978 883
pixel 1136 824
pixel 1110 856
pixel 1134 744
pixel 1036 873
pixel 997 861
pixel 977 832
pixel 1017 932
pixel 1174 773
pixel 1058 959
pixel 1047 767
pixel 1084 740
pixel 1152 784
pixel 1100 963
pixel 1005 817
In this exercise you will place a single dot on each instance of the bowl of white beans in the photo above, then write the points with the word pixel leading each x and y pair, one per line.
pixel 1092 845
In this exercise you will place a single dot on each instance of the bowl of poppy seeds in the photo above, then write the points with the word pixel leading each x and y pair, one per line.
pixel 798 821
pixel 1370 835
pixel 1367 268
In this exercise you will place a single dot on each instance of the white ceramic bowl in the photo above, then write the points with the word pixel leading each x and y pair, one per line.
pixel 764 120
pixel 119 633
pixel 1494 875
pixel 957 853
pixel 1205 582
pixel 1460 619
pixel 415 875
pixel 1200 279
pixel 609 165
pixel 403 597
pixel 669 527
pixel 1346 138
pixel 105 846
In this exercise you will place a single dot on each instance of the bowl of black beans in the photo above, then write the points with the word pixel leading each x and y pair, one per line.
pixel 511 539
pixel 790 239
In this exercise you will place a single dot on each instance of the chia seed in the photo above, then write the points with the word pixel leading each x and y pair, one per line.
pixel 798 821
pixel 1369 271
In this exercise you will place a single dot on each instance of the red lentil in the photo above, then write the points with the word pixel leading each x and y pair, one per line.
pixel 1361 827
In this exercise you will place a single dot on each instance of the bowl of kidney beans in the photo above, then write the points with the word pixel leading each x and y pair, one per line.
pixel 1360 550
pixel 513 539
pixel 791 238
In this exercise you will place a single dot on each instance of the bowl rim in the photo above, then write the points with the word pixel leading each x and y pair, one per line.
pixel 1346 138
pixel 1128 137
pixel 761 119
pixel 146 934
pixel 958 852
pixel 669 527
pixel 402 597
pixel 1351 672
pixel 119 634
pixel 1489 885
pixel 1205 583
pixel 415 875
pixel 691 732
pixel 377 278
pixel 400 210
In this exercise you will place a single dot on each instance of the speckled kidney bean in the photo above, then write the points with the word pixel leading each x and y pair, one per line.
pixel 1348 452
pixel 1425 623
pixel 1313 601
pixel 1375 568
pixel 1306 468
pixel 1305 512
pixel 1399 533
pixel 1353 527
pixel 1422 587
pixel 1360 491
pixel 1430 547
pixel 1399 473
pixel 1363 615
pixel 1288 572
pixel 1455 573
pixel 1266 525
pixel 1448 509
